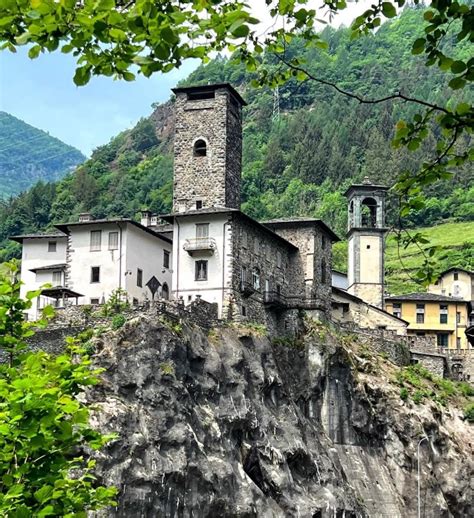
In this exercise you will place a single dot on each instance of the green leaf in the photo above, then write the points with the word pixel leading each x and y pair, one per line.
pixel 418 46
pixel 457 83
pixel 82 76
pixel 457 67
pixel 43 494
pixel 463 108
pixel 389 10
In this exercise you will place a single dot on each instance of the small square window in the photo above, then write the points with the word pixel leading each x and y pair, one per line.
pixel 199 204
pixel 94 302
pixel 420 318
pixel 57 276
pixel 456 276
pixel 368 247
pixel 95 274
pixel 139 277
pixel 166 259
pixel 52 245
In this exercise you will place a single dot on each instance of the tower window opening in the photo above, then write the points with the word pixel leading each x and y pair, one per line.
pixel 200 148
pixel 368 211
pixel 199 96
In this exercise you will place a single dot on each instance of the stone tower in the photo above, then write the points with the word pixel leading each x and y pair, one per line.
pixel 207 147
pixel 366 240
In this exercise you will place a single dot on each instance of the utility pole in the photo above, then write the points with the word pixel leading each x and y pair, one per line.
pixel 276 104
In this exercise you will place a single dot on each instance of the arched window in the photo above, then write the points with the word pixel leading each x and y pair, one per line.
pixel 256 278
pixel 368 212
pixel 165 292
pixel 351 213
pixel 200 148
pixel 323 271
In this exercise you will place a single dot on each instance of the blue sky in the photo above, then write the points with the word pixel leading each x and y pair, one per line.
pixel 41 92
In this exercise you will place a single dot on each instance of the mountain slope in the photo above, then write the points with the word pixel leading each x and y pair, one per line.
pixel 299 163
pixel 28 154
pixel 455 242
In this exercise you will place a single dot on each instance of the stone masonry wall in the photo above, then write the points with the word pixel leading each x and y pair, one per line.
pixel 253 248
pixel 435 363
pixel 314 253
pixel 215 178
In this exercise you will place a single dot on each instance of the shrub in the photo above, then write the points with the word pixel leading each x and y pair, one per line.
pixel 404 394
pixel 118 321
pixel 469 413
pixel 167 369
pixel 117 303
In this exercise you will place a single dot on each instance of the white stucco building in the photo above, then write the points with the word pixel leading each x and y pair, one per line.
pixel 87 260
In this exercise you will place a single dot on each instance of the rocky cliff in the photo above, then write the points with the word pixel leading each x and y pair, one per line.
pixel 229 423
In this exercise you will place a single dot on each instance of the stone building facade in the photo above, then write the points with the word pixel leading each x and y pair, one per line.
pixel 260 272
pixel 207 147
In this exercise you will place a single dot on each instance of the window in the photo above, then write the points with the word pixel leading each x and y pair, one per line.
pixel 199 96
pixel 323 242
pixel 57 278
pixel 458 317
pixel 456 276
pixel 256 246
pixel 52 246
pixel 278 259
pixel 95 302
pixel 323 271
pixel 244 239
pixel 368 247
pixel 139 277
pixel 368 211
pixel 202 230
pixel 166 259
pixel 165 292
pixel 244 311
pixel 458 342
pixel 442 339
pixel 135 301
pixel 420 313
pixel 113 240
pixel 96 240
pixel 190 298
pixel 443 313
pixel 199 204
pixel 201 271
pixel 397 309
pixel 200 148
pixel 256 278
pixel 243 275
pixel 95 274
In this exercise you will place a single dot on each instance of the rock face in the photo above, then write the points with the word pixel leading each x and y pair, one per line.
pixel 231 425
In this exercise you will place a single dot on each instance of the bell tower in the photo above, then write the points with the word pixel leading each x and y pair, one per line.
pixel 207 147
pixel 366 241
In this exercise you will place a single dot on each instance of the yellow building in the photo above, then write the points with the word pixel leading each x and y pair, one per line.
pixel 430 314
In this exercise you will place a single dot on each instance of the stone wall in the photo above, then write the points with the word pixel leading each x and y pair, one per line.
pixel 314 255
pixel 213 179
pixel 253 247
pixel 436 363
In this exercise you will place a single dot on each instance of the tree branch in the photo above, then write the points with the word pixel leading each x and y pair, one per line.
pixel 363 100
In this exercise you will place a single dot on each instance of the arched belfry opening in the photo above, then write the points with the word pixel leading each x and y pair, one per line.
pixel 200 148
pixel 368 212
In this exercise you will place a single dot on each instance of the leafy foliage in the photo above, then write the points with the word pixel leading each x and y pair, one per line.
pixel 44 430
pixel 28 154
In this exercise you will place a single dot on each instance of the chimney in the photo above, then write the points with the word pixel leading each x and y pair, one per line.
pixel 85 217
pixel 146 217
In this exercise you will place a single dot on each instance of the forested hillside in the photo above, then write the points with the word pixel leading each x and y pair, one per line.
pixel 298 159
pixel 28 154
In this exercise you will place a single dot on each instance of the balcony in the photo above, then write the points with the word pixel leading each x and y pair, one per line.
pixel 246 288
pixel 274 299
pixel 200 246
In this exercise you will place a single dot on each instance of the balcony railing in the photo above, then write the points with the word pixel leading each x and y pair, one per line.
pixel 274 299
pixel 247 288
pixel 203 245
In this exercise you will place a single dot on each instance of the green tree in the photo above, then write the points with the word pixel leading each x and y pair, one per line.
pixel 44 430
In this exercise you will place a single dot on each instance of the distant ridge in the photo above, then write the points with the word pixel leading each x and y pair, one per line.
pixel 28 154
